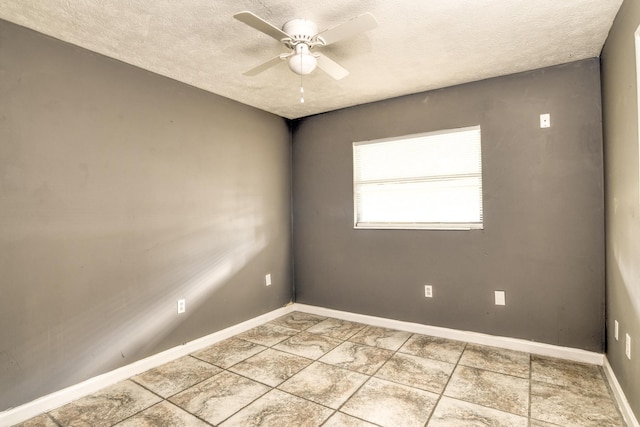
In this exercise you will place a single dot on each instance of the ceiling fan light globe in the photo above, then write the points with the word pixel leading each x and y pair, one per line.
pixel 302 63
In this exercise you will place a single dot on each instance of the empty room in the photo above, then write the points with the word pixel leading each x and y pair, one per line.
pixel 297 213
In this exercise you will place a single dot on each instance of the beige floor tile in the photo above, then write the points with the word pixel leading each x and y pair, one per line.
pixel 306 344
pixel 486 388
pixel 420 372
pixel 162 414
pixel 336 328
pixel 356 357
pixel 434 348
pixel 298 320
pixel 268 334
pixel 324 384
pixel 388 404
pixel 457 413
pixel 494 359
pixel 271 367
pixel 229 352
pixel 568 374
pixel 219 397
pixel 175 376
pixel 343 420
pixel 569 407
pixel 373 336
pixel 39 421
pixel 278 409
pixel 106 407
pixel 538 423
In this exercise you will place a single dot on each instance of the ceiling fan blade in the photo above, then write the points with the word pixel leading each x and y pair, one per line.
pixel 331 67
pixel 260 24
pixel 348 29
pixel 264 66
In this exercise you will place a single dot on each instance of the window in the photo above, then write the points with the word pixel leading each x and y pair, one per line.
pixel 425 181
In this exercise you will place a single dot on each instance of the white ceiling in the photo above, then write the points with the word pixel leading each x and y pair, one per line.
pixel 418 45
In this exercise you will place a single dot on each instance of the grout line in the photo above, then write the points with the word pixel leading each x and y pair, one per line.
pixel 272 388
pixel 208 378
pixel 139 412
pixel 358 388
pixel 247 378
pixel 342 341
pixel 52 418
pixel 146 388
pixel 361 385
pixel 455 366
pixel 189 412
pixel 494 409
pixel 335 411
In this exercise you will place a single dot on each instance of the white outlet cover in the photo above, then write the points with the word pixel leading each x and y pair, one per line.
pixel 267 279
pixel 428 291
pixel 616 327
pixel 182 306
pixel 627 346
pixel 500 298
pixel 545 120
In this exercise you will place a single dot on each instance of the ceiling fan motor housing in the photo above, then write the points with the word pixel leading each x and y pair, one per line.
pixel 301 31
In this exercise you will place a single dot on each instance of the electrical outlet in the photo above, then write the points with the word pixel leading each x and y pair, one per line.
pixel 182 306
pixel 627 346
pixel 615 329
pixel 428 291
pixel 500 298
pixel 267 279
pixel 545 120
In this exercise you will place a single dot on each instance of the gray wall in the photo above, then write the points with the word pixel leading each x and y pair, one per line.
pixel 120 192
pixel 543 237
pixel 620 115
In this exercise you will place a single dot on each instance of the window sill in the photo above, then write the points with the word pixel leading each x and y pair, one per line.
pixel 418 226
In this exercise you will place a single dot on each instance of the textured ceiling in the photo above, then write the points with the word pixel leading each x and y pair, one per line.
pixel 418 45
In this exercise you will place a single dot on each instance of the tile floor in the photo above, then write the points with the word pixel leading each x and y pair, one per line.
pixel 306 370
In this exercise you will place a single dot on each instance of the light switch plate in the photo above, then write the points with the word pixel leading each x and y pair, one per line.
pixel 500 298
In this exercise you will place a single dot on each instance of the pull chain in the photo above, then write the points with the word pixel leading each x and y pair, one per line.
pixel 301 88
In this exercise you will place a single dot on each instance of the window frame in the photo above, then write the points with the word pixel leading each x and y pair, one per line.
pixel 464 226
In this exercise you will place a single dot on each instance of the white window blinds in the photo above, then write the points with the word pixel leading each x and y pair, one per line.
pixel 431 180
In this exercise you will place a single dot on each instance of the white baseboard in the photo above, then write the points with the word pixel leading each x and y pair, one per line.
pixel 541 349
pixel 623 403
pixel 62 397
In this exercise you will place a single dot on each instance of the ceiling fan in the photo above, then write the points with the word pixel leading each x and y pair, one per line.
pixel 302 38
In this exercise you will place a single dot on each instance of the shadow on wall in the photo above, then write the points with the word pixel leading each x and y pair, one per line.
pixel 627 267
pixel 131 320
